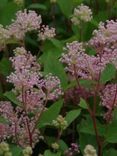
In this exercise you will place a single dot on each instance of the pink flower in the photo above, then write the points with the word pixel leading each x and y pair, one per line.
pixel 19 127
pixel 109 100
pixel 46 33
pixel 109 96
pixel 4 131
pixel 52 87
pixel 104 41
pixel 34 99
pixel 25 21
pixel 33 91
pixel 79 64
pixel 26 72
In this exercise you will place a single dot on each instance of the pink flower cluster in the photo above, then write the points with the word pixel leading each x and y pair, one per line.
pixel 73 150
pixel 52 85
pixel 4 129
pixel 104 41
pixel 46 33
pixel 80 64
pixel 105 35
pixel 109 99
pixel 85 66
pixel 33 90
pixel 19 126
pixel 27 75
pixel 25 21
pixel 26 72
pixel 109 96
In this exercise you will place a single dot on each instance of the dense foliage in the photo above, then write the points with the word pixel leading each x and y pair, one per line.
pixel 58 78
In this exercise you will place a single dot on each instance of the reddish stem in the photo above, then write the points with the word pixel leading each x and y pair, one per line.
pixel 97 135
pixel 29 132
pixel 27 122
pixel 76 77
pixel 93 116
pixel 39 116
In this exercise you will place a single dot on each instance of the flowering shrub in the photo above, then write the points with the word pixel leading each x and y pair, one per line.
pixel 58 78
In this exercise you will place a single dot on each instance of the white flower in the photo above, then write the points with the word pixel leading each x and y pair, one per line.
pixel 81 14
pixel 90 151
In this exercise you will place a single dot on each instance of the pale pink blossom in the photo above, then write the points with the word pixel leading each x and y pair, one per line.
pixel 109 100
pixel 109 96
pixel 26 73
pixel 104 41
pixel 52 86
pixel 34 99
pixel 46 33
pixel 25 21
pixel 79 64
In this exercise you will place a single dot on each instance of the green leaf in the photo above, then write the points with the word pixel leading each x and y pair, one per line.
pixel 50 114
pixel 12 97
pixel 37 6
pixel 101 16
pixel 86 126
pixel 83 104
pixel 94 22
pixel 110 152
pixel 4 2
pixel 66 6
pixel 56 43
pixel 108 73
pixel 87 83
pixel 52 65
pixel 30 41
pixel 111 132
pixel 8 12
pixel 49 153
pixel 16 150
pixel 5 67
pixel 63 146
pixel 85 139
pixel 77 2
pixel 72 115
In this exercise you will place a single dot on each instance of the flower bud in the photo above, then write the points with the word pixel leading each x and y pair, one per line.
pixel 4 147
pixel 60 122
pixel 27 151
pixel 55 146
pixel 90 151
